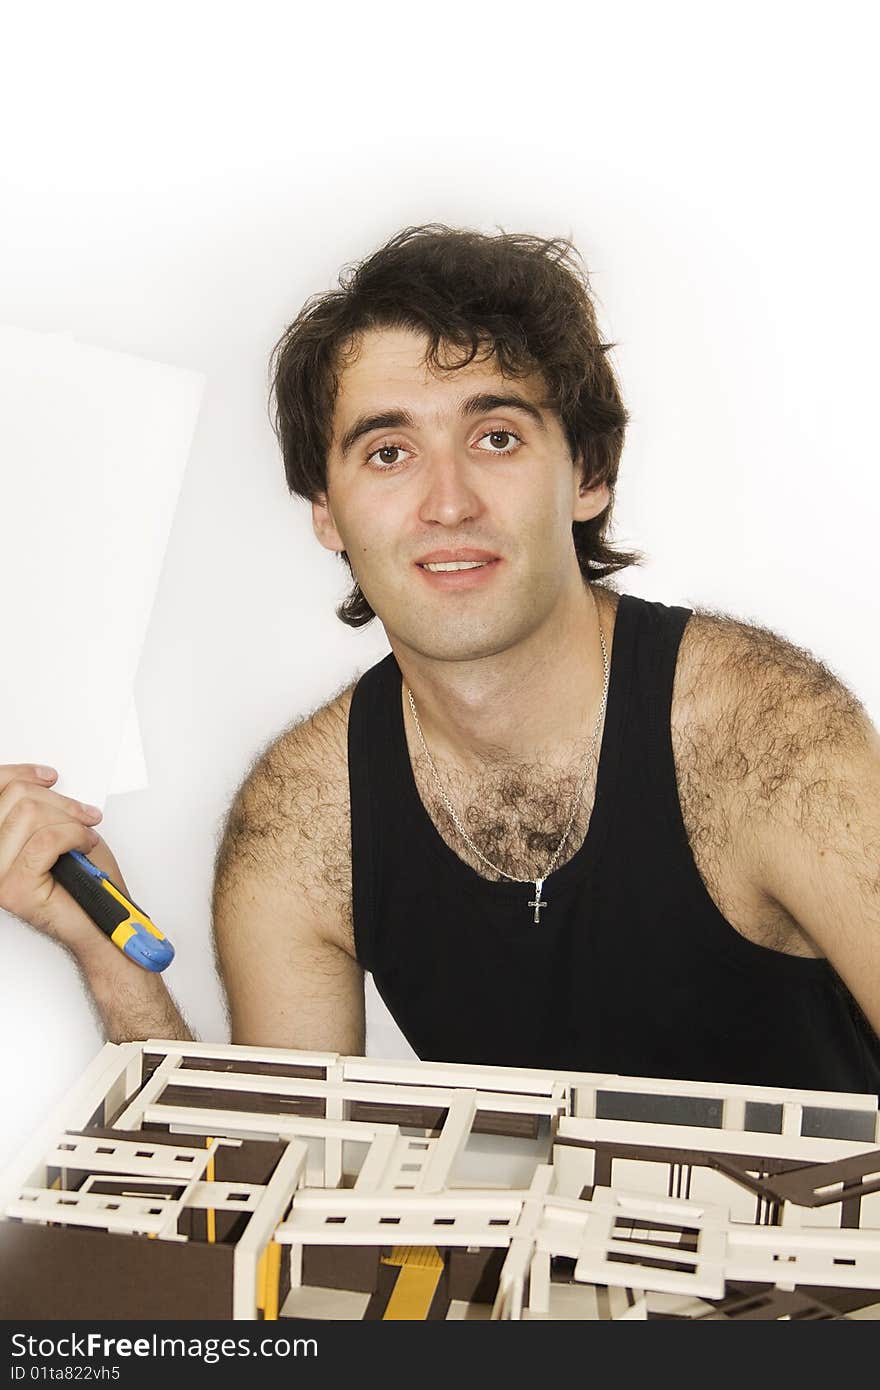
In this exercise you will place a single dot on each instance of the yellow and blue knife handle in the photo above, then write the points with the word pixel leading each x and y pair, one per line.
pixel 127 925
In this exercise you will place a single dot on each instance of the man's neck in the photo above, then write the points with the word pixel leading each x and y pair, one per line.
pixel 536 700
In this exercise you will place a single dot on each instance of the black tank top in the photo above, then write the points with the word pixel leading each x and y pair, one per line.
pixel 632 968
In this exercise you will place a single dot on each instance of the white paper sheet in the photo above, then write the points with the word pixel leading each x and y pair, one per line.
pixel 93 447
pixel 130 769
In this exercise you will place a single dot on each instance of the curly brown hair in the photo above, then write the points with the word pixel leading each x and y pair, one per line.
pixel 522 298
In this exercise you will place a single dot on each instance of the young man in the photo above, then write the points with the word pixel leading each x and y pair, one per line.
pixel 563 828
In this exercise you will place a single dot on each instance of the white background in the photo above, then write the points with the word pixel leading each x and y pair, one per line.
pixel 176 179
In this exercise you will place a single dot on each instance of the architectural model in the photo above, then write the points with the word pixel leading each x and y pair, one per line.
pixel 181 1180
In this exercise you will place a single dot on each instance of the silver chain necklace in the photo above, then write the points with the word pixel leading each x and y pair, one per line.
pixel 539 882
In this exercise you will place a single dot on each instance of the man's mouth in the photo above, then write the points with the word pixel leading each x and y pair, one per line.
pixel 436 567
pixel 454 558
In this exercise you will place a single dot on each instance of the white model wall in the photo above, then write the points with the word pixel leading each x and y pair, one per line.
pixel 183 177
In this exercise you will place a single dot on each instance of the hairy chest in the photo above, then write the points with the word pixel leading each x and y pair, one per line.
pixel 522 822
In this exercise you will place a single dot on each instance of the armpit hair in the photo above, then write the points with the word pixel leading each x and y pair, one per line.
pixel 762 720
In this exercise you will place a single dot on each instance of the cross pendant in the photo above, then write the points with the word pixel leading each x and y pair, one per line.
pixel 538 904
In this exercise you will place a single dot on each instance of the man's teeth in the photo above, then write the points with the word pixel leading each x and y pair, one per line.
pixel 455 565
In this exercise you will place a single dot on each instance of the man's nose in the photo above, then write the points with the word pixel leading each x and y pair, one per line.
pixel 449 496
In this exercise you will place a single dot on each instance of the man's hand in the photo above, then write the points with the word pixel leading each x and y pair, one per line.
pixel 38 825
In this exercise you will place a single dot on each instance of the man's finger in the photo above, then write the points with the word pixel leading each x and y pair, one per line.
pixel 24 807
pixel 26 772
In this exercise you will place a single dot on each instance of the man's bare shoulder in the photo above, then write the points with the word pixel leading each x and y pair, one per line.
pixel 291 812
pixel 757 712
pixel 317 744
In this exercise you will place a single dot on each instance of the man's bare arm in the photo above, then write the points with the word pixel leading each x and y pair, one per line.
pixel 800 761
pixel 131 1004
pixel 281 913
pixel 820 858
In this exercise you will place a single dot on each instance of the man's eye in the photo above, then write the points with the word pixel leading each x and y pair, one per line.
pixel 500 442
pixel 386 456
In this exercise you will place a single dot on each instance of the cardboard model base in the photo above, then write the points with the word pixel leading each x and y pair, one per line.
pixel 181 1180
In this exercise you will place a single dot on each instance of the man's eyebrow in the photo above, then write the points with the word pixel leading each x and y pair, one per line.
pixel 482 404
pixel 485 403
pixel 365 424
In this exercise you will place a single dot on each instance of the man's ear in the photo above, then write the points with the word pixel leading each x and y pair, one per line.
pixel 324 526
pixel 589 498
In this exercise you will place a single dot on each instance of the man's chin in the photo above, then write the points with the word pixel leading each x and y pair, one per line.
pixel 463 642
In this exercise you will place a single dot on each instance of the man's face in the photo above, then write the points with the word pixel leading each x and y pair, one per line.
pixel 467 467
